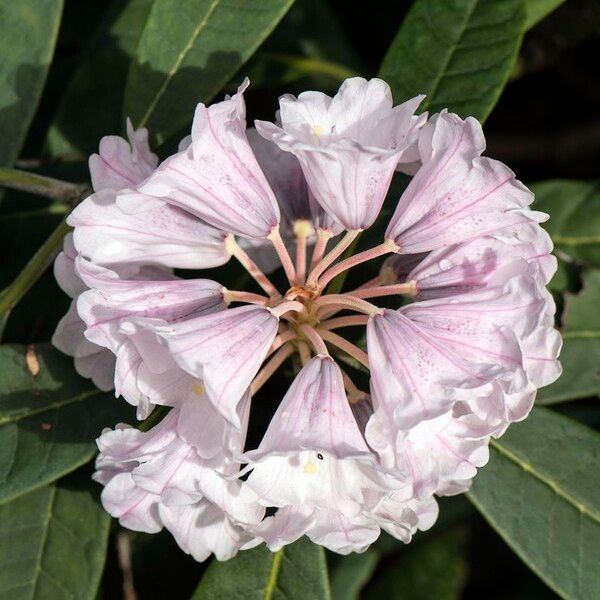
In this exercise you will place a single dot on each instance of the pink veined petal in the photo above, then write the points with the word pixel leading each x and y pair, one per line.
pixel 521 305
pixel 313 451
pixel 314 415
pixel 135 508
pixel 224 350
pixel 476 264
pixel 342 534
pixel 217 178
pixel 455 447
pixel 202 529
pixel 458 195
pixel 414 375
pixel 348 146
pixel 286 526
pixel 112 299
pixel 160 234
pixel 120 164
pixel 64 269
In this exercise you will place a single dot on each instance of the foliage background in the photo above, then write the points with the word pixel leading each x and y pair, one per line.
pixel 530 528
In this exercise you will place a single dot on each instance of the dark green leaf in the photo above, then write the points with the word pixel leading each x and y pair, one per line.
pixel 52 544
pixel 188 51
pixel 91 105
pixel 350 574
pixel 432 570
pixel 28 31
pixel 457 52
pixel 580 356
pixel 574 224
pixel 538 9
pixel 296 572
pixel 539 493
pixel 48 421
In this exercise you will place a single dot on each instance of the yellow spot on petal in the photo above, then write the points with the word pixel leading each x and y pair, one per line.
pixel 317 131
pixel 198 389
pixel 310 468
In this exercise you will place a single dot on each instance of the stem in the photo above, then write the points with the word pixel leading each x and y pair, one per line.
pixel 348 302
pixel 331 256
pixel 302 229
pixel 348 347
pixel 344 322
pixel 33 270
pixel 385 248
pixel 408 289
pixel 263 281
pixel 284 255
pixel 320 246
pixel 287 306
pixel 42 186
pixel 276 361
pixel 247 297
pixel 315 339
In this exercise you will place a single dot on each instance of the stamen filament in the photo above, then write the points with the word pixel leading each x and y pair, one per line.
pixel 315 339
pixel 408 289
pixel 285 336
pixel 385 248
pixel 354 394
pixel 248 297
pixel 348 321
pixel 330 257
pixel 284 255
pixel 343 344
pixel 320 246
pixel 287 306
pixel 348 302
pixel 263 281
pixel 304 351
pixel 276 361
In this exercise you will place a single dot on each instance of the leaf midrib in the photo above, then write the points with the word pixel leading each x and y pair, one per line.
pixel 180 58
pixel 4 420
pixel 557 489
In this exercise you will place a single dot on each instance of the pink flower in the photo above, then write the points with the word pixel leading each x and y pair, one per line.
pixel 348 145
pixel 452 365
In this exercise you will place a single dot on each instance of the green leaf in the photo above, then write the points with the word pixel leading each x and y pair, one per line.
pixel 28 30
pixel 296 572
pixel 580 356
pixel 91 105
pixel 350 574
pixel 574 224
pixel 538 9
pixel 458 52
pixel 48 421
pixel 188 51
pixel 52 544
pixel 540 494
pixel 432 570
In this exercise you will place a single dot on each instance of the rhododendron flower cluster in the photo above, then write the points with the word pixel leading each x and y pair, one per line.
pixel 469 338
